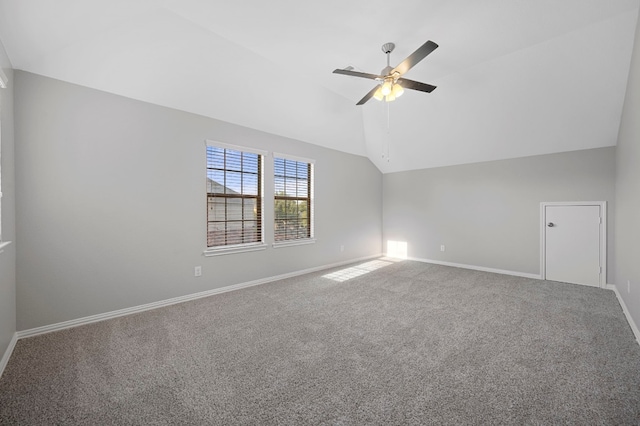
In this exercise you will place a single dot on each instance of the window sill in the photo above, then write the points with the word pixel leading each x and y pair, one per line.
pixel 300 242
pixel 221 251
pixel 3 244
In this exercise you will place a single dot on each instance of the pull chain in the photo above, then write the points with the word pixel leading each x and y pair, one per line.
pixel 385 145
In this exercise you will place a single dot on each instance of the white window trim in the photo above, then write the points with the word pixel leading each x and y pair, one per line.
pixel 298 242
pixel 239 248
pixel 3 85
pixel 251 150
pixel 294 158
pixel 247 247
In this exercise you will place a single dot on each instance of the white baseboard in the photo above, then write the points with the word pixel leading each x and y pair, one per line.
pixel 154 305
pixel 7 354
pixel 478 268
pixel 630 320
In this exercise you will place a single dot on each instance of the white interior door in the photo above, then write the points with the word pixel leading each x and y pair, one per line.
pixel 573 246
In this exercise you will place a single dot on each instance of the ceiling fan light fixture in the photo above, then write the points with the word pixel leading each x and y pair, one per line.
pixel 397 90
pixel 387 87
pixel 378 94
pixel 391 97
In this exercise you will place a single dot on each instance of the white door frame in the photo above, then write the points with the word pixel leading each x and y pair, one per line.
pixel 603 235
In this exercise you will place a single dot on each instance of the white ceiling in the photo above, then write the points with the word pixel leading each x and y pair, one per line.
pixel 515 77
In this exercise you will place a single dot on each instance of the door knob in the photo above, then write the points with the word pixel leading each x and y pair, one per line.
pixel 550 225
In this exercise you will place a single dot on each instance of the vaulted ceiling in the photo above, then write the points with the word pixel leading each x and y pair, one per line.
pixel 515 77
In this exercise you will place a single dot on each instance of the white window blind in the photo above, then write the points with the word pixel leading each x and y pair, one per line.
pixel 293 198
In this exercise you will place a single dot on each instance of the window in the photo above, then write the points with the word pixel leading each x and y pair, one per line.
pixel 293 199
pixel 234 197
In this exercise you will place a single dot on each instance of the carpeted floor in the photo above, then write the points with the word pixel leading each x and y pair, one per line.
pixel 380 343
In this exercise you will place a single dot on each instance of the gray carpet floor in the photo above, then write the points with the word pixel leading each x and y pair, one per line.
pixel 380 343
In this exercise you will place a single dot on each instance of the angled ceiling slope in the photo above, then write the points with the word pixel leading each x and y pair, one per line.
pixel 514 78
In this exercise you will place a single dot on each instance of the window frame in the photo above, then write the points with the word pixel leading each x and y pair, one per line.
pixel 242 247
pixel 310 201
pixel 3 85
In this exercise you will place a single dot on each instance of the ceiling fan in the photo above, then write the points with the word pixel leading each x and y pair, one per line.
pixel 391 84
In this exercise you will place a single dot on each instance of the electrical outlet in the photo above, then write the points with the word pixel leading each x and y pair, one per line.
pixel 341 248
pixel 628 286
pixel 197 271
pixel 442 247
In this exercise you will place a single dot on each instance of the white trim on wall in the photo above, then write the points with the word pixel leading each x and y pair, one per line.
pixel 477 268
pixel 141 308
pixel 603 235
pixel 7 354
pixel 627 314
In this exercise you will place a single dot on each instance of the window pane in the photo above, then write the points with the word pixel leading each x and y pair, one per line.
pixel 234 232
pixel 234 209
pixel 280 229
pixel 289 209
pixel 215 208
pixel 279 185
pixel 215 234
pixel 215 157
pixel 250 162
pixel 251 232
pixel 290 187
pixel 250 209
pixel 279 209
pixel 215 181
pixel 302 232
pixel 290 168
pixel 303 171
pixel 234 160
pixel 233 183
pixel 249 184
pixel 303 211
pixel 278 166
pixel 302 188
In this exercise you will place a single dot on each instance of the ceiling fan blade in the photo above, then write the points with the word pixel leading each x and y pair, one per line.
pixel 416 85
pixel 358 74
pixel 415 57
pixel 368 96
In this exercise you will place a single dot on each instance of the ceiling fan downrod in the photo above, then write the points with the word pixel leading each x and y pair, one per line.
pixel 387 48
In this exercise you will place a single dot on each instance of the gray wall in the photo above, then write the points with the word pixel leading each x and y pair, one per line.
pixel 627 262
pixel 111 203
pixel 8 255
pixel 488 214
